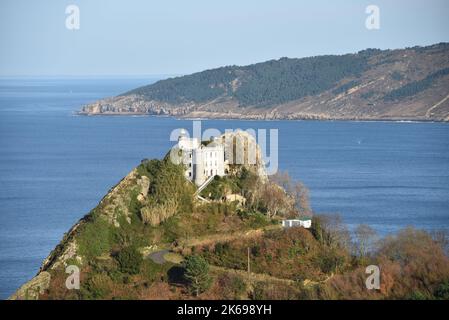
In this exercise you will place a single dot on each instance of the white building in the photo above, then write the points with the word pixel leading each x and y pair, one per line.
pixel 201 161
pixel 302 222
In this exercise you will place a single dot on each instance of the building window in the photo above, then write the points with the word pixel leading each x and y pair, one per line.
pixel 190 174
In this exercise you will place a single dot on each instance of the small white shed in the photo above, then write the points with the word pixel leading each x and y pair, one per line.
pixel 301 222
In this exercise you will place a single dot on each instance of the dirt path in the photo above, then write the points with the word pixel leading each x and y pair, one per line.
pixel 263 277
pixel 214 238
pixel 253 276
pixel 158 256
pixel 428 113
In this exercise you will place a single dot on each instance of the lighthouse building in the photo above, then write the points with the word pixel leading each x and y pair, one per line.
pixel 202 161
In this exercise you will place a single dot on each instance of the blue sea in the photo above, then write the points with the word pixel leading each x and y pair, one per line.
pixel 56 166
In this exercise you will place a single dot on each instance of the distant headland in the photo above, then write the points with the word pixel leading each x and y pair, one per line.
pixel 373 84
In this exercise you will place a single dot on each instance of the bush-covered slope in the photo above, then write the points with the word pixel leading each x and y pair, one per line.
pixel 199 249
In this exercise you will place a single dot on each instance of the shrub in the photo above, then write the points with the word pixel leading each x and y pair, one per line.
pixel 169 191
pixel 94 238
pixel 332 260
pixel 129 260
pixel 231 287
pixel 274 291
pixel 413 266
pixel 258 220
pixel 153 271
pixel 99 286
pixel 221 186
pixel 417 295
pixel 255 250
pixel 221 248
pixel 442 291
pixel 171 229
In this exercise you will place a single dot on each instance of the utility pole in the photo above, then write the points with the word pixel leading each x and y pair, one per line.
pixel 249 268
pixel 249 275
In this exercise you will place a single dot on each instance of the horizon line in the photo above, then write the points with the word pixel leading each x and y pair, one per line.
pixel 86 76
pixel 169 75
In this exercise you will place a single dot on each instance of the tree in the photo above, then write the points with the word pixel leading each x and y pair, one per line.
pixel 129 260
pixel 250 185
pixel 317 230
pixel 274 199
pixel 441 237
pixel 334 232
pixel 365 238
pixel 301 195
pixel 197 274
pixel 296 190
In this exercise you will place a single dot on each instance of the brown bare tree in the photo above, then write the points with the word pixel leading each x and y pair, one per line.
pixel 365 240
pixel 296 190
pixel 274 199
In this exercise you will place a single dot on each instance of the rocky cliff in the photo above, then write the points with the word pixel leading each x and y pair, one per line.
pixel 113 209
pixel 131 214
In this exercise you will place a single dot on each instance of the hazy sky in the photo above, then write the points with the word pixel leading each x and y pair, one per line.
pixel 143 37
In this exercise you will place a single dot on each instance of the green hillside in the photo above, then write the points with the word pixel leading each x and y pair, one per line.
pixel 263 84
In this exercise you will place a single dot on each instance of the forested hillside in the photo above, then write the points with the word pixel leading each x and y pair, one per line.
pixel 402 84
pixel 262 84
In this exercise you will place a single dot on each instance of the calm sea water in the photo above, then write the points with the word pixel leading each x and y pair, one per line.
pixel 55 167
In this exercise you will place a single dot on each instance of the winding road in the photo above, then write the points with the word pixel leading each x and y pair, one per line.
pixel 158 256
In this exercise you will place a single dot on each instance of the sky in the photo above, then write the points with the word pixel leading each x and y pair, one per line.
pixel 167 37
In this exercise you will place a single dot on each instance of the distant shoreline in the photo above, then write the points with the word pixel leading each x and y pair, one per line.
pixel 409 84
pixel 84 114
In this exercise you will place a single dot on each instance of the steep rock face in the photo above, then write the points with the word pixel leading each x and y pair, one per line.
pixel 111 208
pixel 243 151
pixel 33 288
pixel 134 104
pixel 403 84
